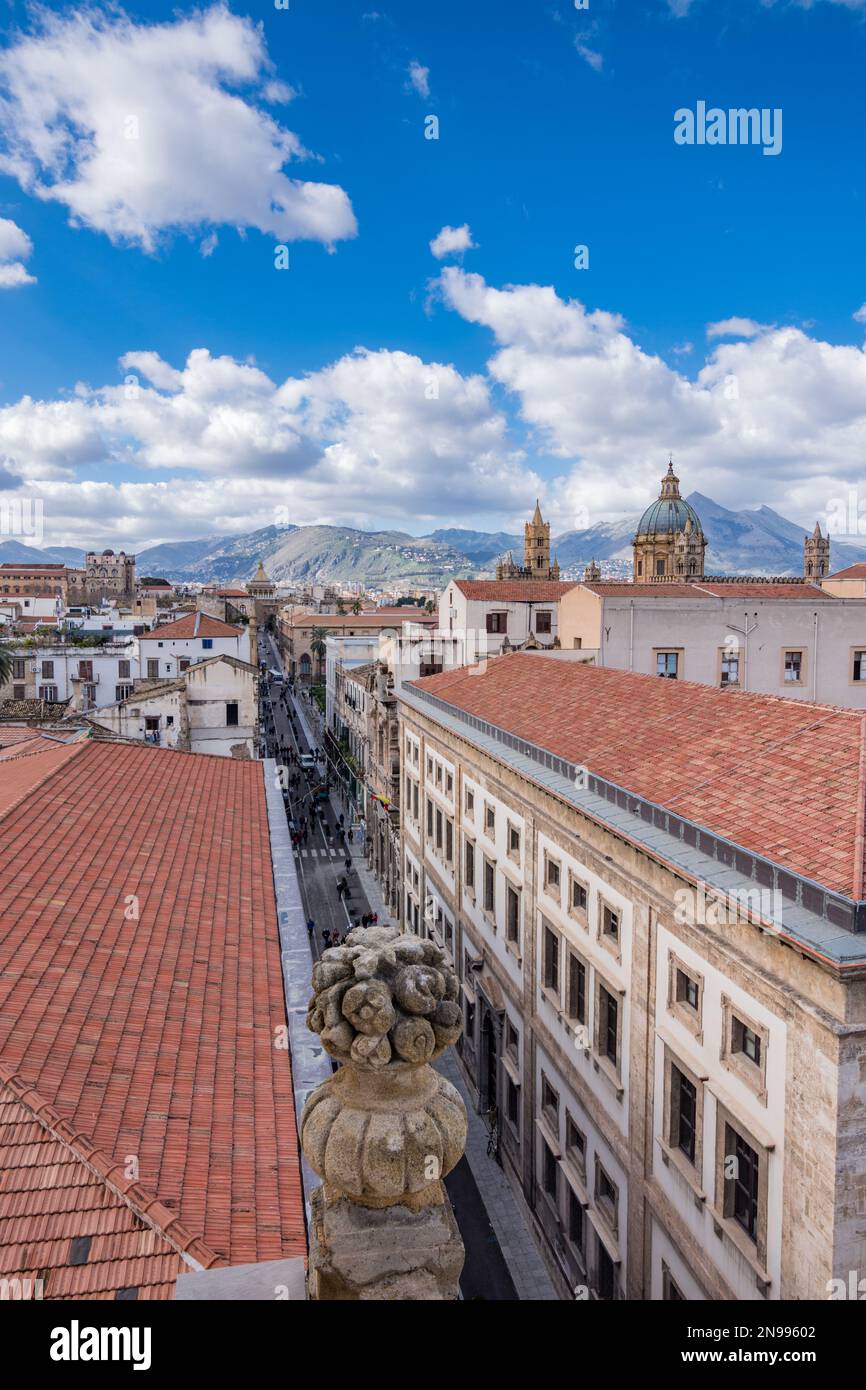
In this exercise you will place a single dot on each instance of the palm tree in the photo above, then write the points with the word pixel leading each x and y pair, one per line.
pixel 317 646
pixel 341 607
pixel 5 665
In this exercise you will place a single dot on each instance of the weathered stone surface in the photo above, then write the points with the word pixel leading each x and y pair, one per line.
pixel 393 1254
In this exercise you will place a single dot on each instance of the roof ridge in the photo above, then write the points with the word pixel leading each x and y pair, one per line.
pixel 143 1203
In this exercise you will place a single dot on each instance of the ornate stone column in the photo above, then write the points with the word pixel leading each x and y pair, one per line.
pixel 384 1130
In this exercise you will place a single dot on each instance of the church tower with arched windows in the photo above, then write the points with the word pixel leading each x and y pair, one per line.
pixel 536 553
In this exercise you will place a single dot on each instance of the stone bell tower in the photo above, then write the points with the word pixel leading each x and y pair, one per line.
pixel 816 554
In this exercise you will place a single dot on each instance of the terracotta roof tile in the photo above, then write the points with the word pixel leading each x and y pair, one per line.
pixel 514 590
pixel 150 1037
pixel 192 625
pixel 780 777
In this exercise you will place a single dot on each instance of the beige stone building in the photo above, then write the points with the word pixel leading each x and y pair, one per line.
pixel 653 895
pixel 669 541
pixel 301 635
pixel 536 553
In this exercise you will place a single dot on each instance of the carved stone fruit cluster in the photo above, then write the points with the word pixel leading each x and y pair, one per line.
pixel 384 998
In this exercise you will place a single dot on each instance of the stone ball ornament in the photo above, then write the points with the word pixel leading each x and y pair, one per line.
pixel 386 1127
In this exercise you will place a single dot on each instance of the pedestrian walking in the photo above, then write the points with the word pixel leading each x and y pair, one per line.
pixel 350 837
pixel 348 865
pixel 342 820
pixel 311 927
pixel 326 937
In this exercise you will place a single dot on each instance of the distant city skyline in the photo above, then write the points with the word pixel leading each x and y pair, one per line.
pixel 319 265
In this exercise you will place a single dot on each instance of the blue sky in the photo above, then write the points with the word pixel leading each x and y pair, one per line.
pixel 555 129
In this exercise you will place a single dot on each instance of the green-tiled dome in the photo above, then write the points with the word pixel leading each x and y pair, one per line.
pixel 667 516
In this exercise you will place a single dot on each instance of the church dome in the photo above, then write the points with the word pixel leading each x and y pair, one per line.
pixel 667 516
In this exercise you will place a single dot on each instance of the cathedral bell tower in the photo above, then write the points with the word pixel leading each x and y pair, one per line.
pixel 816 554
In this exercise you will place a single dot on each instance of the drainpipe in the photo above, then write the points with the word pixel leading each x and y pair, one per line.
pixel 815 659
pixel 631 634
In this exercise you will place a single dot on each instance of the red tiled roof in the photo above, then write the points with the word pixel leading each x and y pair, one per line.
pixel 857 571
pixel 706 589
pixel 780 777
pixel 514 590
pixel 192 625
pixel 152 1037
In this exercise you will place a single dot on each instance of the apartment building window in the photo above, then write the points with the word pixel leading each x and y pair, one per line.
pixel 688 990
pixel 576 1223
pixel 606 1196
pixel 744 1047
pixel 543 622
pixel 793 667
pixel 668 664
pixel 19 672
pixel 85 670
pixel 859 665
pixel 89 693
pixel 429 819
pixel 429 766
pixel 610 923
pixel 439 825
pixel 513 841
pixel 685 994
pixel 577 898
pixel 575 1146
pixel 512 915
pixel 47 670
pixel 550 1104
pixel 48 693
pixel 576 992
pixel 449 784
pixel 512 1103
pixel 490 820
pixel 729 668
pixel 550 960
pixel 231 714
pixel 684 1113
pixel 18 692
pixel 551 1172
pixel 408 793
pixel 552 876
pixel 607 1040
pixel 489 886
pixel 741 1196
pixel 153 668
pixel 207 644
pixel 183 663
pixel 470 802
pixel 469 865
pixel 124 670
pixel 415 801
pixel 122 692
pixel 512 1040
pixel 671 1291
pixel 497 622
pixel 449 841
pixel 439 774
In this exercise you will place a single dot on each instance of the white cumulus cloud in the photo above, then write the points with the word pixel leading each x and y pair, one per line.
pixel 736 328
pixel 419 79
pixel 452 241
pixel 140 130
pixel 15 248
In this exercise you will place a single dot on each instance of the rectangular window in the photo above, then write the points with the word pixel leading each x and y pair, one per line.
pixel 512 915
pixel 576 1233
pixel 153 668
pixel 49 693
pixel 793 667
pixel 470 802
pixel 513 840
pixel 684 1113
pixel 512 1102
pixel 429 819
pixel 449 842
pixel 47 670
pixel 607 1029
pixel 207 643
pixel 730 669
pixel 552 875
pixel 745 1040
pixel 543 622
pixel 469 864
pixel 18 692
pixel 688 991
pixel 490 820
pixel 449 783
pixel 489 886
pixel 741 1189
pixel 859 666
pixel 605 1195
pixel 575 1145
pixel 576 1002
pixel 667 664
pixel 231 713
pixel 550 960
pixel 85 670
pixel 610 923
pixel 439 821
pixel 512 1039
pixel 497 622
pixel 551 1173
pixel 414 800
pixel 549 1104
pixel 122 692
pixel 578 897
pixel 18 669
pixel 123 670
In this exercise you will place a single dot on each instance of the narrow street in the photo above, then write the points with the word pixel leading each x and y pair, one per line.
pixel 321 862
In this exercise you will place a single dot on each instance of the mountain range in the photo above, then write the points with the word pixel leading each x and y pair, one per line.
pixel 739 542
